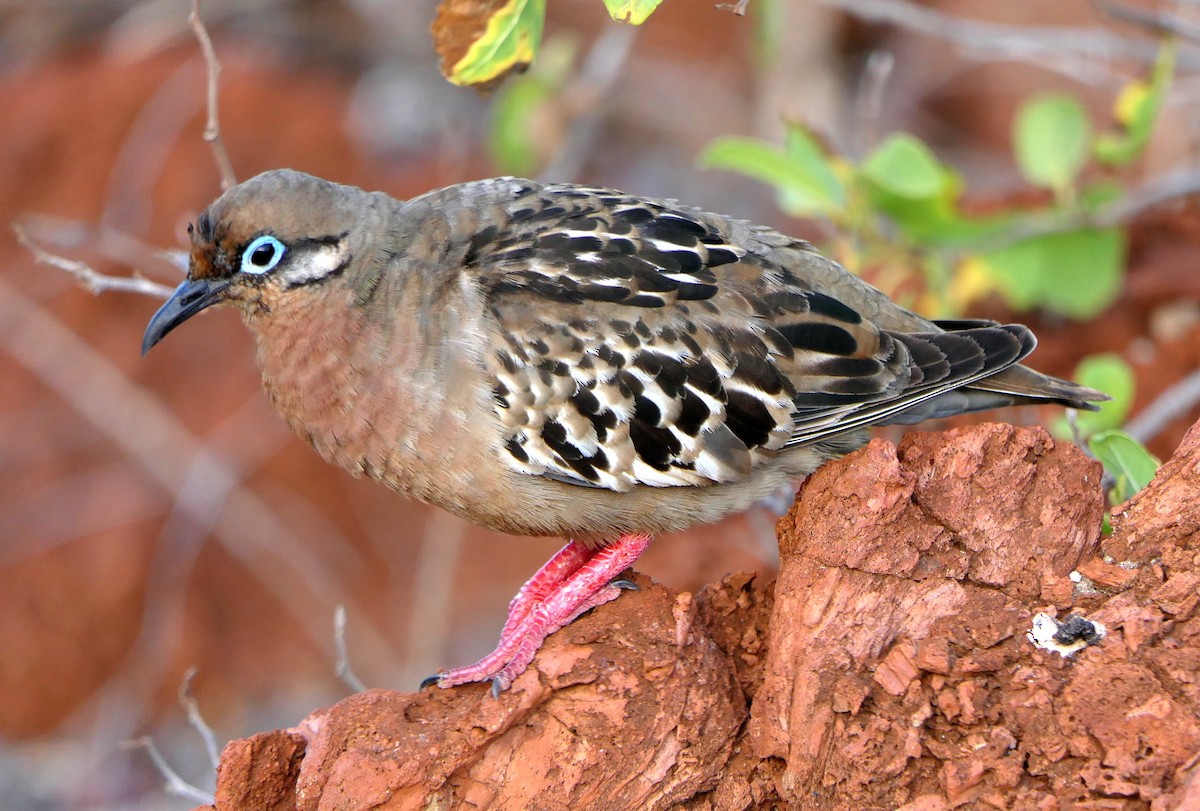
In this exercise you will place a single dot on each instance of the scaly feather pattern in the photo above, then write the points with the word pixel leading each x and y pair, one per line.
pixel 646 343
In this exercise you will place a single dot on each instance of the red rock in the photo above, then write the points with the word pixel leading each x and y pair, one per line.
pixel 893 670
pixel 1107 575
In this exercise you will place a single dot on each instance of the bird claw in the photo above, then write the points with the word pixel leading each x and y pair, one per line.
pixel 626 585
pixel 430 681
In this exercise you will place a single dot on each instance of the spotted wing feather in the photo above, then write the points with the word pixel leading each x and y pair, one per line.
pixel 641 343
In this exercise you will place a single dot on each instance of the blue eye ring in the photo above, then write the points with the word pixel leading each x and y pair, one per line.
pixel 262 255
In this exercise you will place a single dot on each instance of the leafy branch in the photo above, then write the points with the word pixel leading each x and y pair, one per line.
pixel 900 207
pixel 483 43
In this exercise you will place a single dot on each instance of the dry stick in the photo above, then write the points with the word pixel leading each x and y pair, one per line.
pixel 1158 22
pixel 868 101
pixel 112 244
pixel 1162 189
pixel 93 280
pixel 738 8
pixel 1063 49
pixel 192 708
pixel 175 784
pixel 344 671
pixel 602 67
pixel 212 129
pixel 1175 401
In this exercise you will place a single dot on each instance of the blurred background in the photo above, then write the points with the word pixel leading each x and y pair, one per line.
pixel 156 516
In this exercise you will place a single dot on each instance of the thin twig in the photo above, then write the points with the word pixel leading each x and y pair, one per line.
pixel 738 8
pixel 1156 21
pixel 1159 190
pixel 432 587
pixel 192 708
pixel 90 278
pixel 592 88
pixel 175 784
pixel 1175 401
pixel 212 129
pixel 868 101
pixel 1072 51
pixel 344 671
pixel 116 246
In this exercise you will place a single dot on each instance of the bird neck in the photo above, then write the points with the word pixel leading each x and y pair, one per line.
pixel 378 378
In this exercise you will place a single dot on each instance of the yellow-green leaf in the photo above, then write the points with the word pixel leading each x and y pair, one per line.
pixel 1137 111
pixel 906 167
pixel 806 195
pixel 1076 273
pixel 481 44
pixel 1050 139
pixel 634 12
pixel 1109 373
pixel 1131 465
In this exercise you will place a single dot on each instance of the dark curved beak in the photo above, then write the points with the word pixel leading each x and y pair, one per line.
pixel 188 299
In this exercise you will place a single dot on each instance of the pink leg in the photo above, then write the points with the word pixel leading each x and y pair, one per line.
pixel 550 600
pixel 565 563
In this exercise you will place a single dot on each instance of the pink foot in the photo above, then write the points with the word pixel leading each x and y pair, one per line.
pixel 575 580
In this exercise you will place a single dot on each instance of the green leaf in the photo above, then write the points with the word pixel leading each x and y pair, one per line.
pixel 807 189
pixel 805 150
pixel 937 221
pixel 1136 110
pixel 508 43
pixel 1050 139
pixel 1131 465
pixel 1109 373
pixel 1095 196
pixel 905 181
pixel 1076 273
pixel 904 166
pixel 634 12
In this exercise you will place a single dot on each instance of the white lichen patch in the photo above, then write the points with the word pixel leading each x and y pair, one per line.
pixel 1065 638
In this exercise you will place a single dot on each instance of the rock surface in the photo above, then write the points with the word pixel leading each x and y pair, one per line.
pixel 888 666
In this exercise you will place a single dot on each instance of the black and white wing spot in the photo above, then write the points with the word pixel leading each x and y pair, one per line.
pixel 573 244
pixel 620 403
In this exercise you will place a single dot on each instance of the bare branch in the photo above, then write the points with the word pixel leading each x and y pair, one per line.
pixel 212 130
pixel 1081 53
pixel 868 101
pixel 175 784
pixel 344 671
pixel 430 593
pixel 65 234
pixel 738 8
pixel 1156 21
pixel 592 90
pixel 192 708
pixel 90 278
pixel 1158 190
pixel 1161 189
pixel 1174 402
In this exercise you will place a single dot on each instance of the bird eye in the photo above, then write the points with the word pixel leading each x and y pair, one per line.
pixel 261 255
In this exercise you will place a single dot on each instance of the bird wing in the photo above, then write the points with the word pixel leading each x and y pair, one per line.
pixel 638 342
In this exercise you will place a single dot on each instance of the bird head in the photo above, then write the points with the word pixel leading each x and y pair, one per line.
pixel 278 231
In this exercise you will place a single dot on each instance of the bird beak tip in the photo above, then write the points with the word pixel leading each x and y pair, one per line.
pixel 188 299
